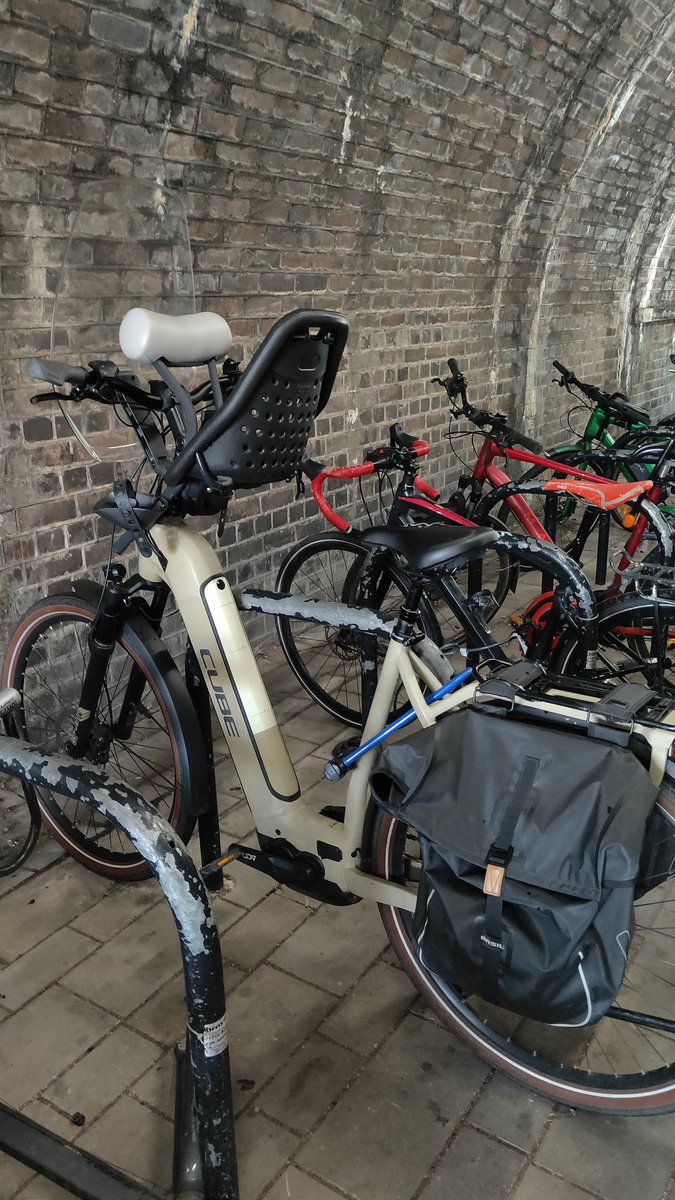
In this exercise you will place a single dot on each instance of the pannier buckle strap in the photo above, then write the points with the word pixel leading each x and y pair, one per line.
pixel 495 871
pixel 494 880
pixel 498 858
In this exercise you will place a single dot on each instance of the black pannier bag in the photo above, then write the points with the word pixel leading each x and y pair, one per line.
pixel 531 838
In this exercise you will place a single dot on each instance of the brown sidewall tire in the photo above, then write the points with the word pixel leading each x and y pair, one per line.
pixel 533 1076
pixel 136 868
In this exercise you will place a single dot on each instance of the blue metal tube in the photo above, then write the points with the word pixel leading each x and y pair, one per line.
pixel 338 767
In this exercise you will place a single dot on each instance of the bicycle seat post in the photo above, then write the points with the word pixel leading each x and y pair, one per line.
pixel 406 628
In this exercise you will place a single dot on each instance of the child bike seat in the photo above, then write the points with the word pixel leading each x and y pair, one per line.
pixel 260 434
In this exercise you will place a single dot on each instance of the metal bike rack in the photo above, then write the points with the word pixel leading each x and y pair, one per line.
pixel 205 1165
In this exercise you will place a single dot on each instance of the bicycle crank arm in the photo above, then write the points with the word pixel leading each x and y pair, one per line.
pixel 298 870
pixel 295 870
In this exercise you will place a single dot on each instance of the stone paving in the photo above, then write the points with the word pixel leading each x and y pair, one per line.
pixel 345 1085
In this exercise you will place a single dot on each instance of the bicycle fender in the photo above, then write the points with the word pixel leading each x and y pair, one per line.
pixel 136 628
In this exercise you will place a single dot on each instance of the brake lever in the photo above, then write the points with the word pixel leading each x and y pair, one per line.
pixel 379 456
pixel 43 396
pixel 453 387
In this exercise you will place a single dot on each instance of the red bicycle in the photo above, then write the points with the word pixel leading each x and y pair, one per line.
pixel 513 498
pixel 455 609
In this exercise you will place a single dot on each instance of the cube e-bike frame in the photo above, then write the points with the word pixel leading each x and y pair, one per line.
pixel 189 566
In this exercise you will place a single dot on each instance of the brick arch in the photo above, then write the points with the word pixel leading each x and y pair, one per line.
pixel 547 159
pixel 609 209
pixel 649 327
pixel 428 224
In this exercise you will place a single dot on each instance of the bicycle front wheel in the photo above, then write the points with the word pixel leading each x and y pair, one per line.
pixel 144 745
pixel 614 1066
pixel 327 661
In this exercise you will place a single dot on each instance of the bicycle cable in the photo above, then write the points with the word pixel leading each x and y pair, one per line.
pixel 365 502
pixel 383 507
pixel 460 433
pixel 568 418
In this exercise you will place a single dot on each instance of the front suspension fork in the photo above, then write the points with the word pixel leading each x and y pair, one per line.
pixel 100 645
pixel 101 642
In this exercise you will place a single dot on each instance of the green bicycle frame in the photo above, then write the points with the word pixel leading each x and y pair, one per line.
pixel 596 433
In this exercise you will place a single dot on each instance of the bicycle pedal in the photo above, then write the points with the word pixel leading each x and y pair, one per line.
pixel 346 747
pixel 335 812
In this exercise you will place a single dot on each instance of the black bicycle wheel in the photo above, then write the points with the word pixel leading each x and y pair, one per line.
pixel 614 1066
pixel 45 662
pixel 636 642
pixel 327 661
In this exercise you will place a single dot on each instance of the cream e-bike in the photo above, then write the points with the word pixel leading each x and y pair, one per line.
pixel 97 680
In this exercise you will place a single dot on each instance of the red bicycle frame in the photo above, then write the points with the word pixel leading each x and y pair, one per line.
pixel 486 470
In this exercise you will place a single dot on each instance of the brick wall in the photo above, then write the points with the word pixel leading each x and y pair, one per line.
pixel 487 179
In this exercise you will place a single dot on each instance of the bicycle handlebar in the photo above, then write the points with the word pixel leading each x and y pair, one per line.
pixel 427 489
pixel 615 403
pixel 496 422
pixel 102 382
pixel 381 458
pixel 324 506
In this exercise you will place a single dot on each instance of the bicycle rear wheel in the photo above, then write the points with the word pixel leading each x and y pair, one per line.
pixel 148 748
pixel 327 661
pixel 615 1066
pixel 636 642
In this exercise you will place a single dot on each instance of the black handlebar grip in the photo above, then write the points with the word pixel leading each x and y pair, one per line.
pixel 621 404
pixel 563 369
pixel 516 438
pixel 528 444
pixel 454 368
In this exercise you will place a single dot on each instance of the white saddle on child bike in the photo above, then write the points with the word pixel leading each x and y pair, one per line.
pixel 184 341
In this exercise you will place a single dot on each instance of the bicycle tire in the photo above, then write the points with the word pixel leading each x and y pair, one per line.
pixel 326 661
pixel 625 644
pixel 569 1066
pixel 51 637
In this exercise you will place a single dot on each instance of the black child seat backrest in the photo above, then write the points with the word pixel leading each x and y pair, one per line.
pixel 286 384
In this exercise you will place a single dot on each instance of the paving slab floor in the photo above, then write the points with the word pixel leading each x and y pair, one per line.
pixel 345 1085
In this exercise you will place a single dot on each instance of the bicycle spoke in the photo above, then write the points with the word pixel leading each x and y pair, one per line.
pixel 52 686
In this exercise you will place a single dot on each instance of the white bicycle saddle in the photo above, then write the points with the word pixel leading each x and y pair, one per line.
pixel 194 338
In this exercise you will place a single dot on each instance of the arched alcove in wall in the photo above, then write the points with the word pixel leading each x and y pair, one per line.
pixel 650 327
pixel 602 297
